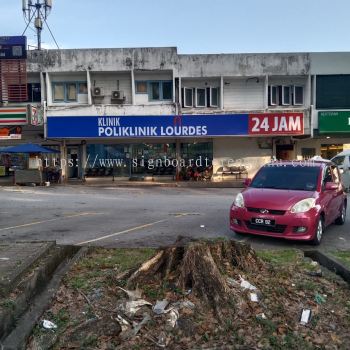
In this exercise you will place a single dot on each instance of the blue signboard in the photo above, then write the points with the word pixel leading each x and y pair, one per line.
pixel 13 47
pixel 147 126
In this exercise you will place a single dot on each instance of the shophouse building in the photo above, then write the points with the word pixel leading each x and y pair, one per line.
pixel 124 112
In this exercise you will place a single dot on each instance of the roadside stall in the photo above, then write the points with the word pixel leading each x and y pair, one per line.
pixel 33 170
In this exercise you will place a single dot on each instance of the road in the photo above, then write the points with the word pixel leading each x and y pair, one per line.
pixel 129 217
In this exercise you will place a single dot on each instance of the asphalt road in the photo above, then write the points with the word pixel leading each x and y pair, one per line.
pixel 129 217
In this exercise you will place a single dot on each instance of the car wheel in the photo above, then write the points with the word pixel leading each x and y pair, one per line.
pixel 341 219
pixel 319 232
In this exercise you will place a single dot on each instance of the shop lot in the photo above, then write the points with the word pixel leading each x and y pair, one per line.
pixel 129 217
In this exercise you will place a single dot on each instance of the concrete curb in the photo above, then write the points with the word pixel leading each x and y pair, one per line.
pixel 19 272
pixel 330 263
pixel 39 290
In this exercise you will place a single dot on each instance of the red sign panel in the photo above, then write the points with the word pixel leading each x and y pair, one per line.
pixel 276 124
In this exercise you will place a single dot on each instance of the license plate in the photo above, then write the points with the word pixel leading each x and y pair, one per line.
pixel 263 222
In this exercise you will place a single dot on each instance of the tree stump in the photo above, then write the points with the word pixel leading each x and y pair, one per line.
pixel 202 266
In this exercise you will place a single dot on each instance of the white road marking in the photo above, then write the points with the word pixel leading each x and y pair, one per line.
pixel 49 220
pixel 131 229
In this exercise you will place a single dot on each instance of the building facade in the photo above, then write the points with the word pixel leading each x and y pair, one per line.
pixel 151 112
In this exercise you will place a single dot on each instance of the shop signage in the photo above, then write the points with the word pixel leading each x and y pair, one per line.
pixel 11 133
pixel 13 115
pixel 13 47
pixel 334 122
pixel 276 124
pixel 174 126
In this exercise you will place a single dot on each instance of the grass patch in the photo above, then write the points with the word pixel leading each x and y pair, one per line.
pixel 120 259
pixel 343 256
pixel 280 257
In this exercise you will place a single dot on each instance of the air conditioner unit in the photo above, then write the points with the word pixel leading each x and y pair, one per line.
pixel 96 91
pixel 117 95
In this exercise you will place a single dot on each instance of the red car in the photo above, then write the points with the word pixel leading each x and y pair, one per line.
pixel 294 200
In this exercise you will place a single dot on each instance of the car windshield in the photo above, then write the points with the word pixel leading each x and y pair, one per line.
pixel 287 177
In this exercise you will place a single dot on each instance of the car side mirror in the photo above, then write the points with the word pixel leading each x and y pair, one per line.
pixel 331 186
pixel 247 182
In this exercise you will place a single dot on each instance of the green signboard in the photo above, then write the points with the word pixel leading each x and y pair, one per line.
pixel 334 122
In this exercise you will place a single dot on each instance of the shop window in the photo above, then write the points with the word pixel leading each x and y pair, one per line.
pixel 68 91
pixel 308 153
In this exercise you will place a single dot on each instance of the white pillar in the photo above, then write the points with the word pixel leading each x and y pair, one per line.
pixel 133 87
pixel 180 94
pixel 222 106
pixel 88 77
pixel 266 102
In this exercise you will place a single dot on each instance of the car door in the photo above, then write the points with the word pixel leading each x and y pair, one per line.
pixel 328 196
pixel 337 200
pixel 344 166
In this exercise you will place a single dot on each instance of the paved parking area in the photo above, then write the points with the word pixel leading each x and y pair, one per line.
pixel 128 217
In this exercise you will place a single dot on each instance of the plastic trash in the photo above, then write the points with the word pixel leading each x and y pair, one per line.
pixel 305 316
pixel 160 306
pixel 232 283
pixel 172 318
pixel 131 307
pixel 132 294
pixel 254 297
pixel 261 316
pixel 246 285
pixel 202 226
pixel 162 341
pixel 314 263
pixel 4 259
pixel 187 304
pixel 49 325
pixel 138 327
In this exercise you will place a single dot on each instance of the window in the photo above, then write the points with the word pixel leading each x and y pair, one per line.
pixel 68 91
pixel 141 87
pixel 298 95
pixel 201 98
pixel 273 95
pixel 333 91
pixel 71 92
pixel 214 97
pixel 167 87
pixel 286 95
pixel 58 92
pixel 34 92
pixel 83 88
pixel 156 90
pixel 188 100
pixel 327 176
pixel 339 160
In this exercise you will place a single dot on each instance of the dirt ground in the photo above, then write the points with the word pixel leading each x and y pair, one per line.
pixel 92 309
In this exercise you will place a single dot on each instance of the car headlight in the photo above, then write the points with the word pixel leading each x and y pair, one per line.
pixel 304 205
pixel 239 200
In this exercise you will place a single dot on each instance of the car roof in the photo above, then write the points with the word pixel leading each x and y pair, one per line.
pixel 304 163
pixel 343 153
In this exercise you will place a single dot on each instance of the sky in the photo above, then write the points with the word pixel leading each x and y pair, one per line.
pixel 193 26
